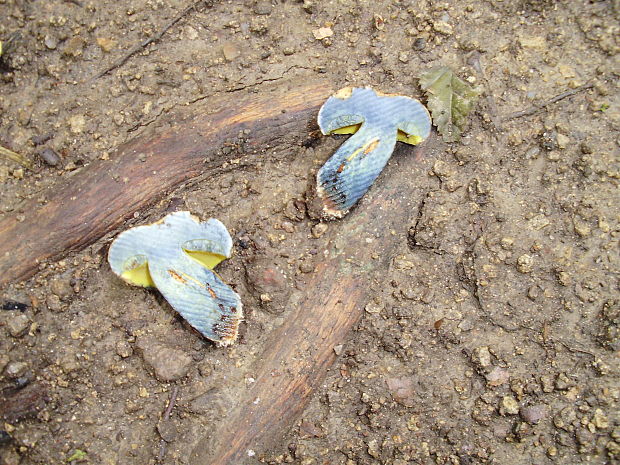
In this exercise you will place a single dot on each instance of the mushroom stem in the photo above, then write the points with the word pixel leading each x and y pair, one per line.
pixel 348 174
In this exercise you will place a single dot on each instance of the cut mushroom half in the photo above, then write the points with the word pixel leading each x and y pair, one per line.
pixel 376 121
pixel 177 256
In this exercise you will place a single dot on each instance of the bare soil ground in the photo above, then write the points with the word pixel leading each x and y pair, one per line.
pixel 494 334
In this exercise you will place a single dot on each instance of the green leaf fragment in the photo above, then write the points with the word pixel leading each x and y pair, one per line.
pixel 450 100
pixel 77 455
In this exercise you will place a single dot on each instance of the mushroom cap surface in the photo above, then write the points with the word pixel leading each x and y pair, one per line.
pixel 354 106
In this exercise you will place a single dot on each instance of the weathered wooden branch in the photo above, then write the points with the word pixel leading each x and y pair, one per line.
pixel 299 352
pixel 105 193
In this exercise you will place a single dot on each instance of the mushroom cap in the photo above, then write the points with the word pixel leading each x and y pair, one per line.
pixel 177 256
pixel 377 121
pixel 355 106
pixel 178 230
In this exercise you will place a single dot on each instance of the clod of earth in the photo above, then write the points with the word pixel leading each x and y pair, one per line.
pixel 377 122
pixel 177 256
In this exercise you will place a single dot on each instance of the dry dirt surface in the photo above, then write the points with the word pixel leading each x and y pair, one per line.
pixel 492 338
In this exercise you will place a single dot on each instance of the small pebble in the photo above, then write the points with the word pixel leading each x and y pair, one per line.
pixel 123 349
pixel 402 390
pixel 564 278
pixel 600 420
pixel 525 264
pixel 586 148
pixel 443 28
pixel 482 356
pixel 373 307
pixel 50 42
pixel 230 51
pixel 49 156
pixel 507 243
pixel 509 406
pixel 582 228
pixel 61 287
pixel 74 47
pixel 533 292
pixel 532 153
pixel 318 230
pixel 53 303
pixel 106 45
pixel 442 169
pixel 16 369
pixel 546 381
pixel 322 33
pixel 466 325
pixel 563 382
pixel 306 267
pixel 18 325
pixel 562 141
pixel 77 123
pixel 167 430
pixel 497 377
pixel 168 364
pixel 529 41
pixel 565 418
pixel 534 413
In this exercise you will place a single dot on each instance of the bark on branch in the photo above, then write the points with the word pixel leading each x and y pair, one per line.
pixel 98 199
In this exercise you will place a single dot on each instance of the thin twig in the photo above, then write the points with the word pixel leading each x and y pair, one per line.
pixel 574 349
pixel 166 417
pixel 171 402
pixel 154 38
pixel 16 157
pixel 551 101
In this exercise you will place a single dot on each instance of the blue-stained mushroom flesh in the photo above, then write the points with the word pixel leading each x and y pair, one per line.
pixel 378 120
pixel 175 256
